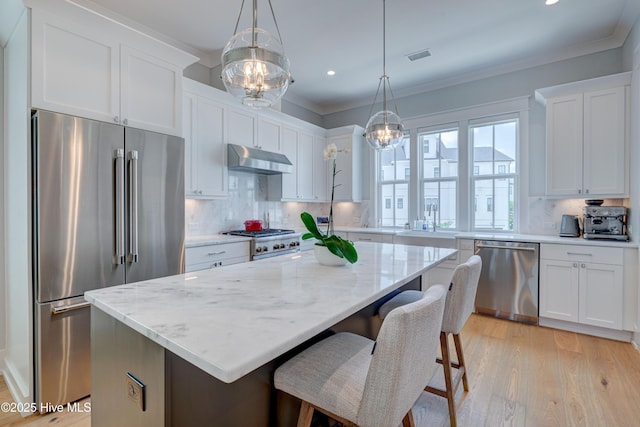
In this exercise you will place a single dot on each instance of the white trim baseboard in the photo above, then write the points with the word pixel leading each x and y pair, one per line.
pixel 15 389
pixel 587 329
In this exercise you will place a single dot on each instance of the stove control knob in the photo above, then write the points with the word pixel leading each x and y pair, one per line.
pixel 282 246
pixel 258 249
pixel 276 247
pixel 265 249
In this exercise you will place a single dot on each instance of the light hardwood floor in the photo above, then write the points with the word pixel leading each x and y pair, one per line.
pixel 519 375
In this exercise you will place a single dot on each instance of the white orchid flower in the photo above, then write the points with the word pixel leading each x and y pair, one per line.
pixel 330 151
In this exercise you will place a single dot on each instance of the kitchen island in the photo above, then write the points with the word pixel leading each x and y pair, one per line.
pixel 205 344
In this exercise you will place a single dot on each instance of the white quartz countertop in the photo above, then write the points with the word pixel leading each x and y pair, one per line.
pixel 214 239
pixel 538 238
pixel 229 321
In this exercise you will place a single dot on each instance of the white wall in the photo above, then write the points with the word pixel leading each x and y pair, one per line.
pixel 631 51
pixel 18 355
pixel 3 311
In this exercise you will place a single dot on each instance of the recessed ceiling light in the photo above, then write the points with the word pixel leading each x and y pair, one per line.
pixel 551 2
pixel 331 73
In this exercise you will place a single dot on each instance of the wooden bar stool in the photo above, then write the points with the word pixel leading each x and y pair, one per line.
pixel 360 382
pixel 459 306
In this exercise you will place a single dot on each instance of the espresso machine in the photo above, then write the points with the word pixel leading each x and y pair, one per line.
pixel 605 222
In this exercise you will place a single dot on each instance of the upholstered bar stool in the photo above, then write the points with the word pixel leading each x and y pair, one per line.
pixel 459 306
pixel 360 382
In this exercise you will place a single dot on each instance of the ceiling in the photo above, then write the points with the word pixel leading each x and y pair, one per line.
pixel 468 39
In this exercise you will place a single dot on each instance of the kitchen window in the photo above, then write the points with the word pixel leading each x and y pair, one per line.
pixel 440 188
pixel 494 148
pixel 393 184
pixel 457 160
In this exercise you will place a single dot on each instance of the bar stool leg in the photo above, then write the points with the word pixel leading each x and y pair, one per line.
pixel 462 367
pixel 306 414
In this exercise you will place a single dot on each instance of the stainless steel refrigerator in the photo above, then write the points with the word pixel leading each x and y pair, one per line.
pixel 107 209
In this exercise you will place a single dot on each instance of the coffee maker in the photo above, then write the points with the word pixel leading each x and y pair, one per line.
pixel 605 222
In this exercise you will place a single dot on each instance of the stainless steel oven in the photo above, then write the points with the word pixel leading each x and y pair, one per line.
pixel 270 242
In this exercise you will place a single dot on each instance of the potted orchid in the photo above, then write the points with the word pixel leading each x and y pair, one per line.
pixel 341 248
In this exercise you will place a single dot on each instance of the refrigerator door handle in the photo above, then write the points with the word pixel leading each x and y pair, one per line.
pixel 120 248
pixel 67 308
pixel 133 206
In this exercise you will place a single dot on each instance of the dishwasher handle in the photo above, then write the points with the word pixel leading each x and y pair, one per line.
pixel 513 248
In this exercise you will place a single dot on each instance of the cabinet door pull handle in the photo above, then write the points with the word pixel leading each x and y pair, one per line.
pixel 216 253
pixel 575 265
pixel 579 254
pixel 510 248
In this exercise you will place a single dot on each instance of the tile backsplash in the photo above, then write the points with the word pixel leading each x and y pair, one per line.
pixel 545 215
pixel 248 200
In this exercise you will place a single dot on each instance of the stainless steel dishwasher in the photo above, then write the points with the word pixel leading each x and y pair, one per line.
pixel 508 285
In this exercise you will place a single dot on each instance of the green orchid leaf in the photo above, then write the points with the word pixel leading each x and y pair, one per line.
pixel 349 251
pixel 308 221
pixel 307 236
pixel 341 248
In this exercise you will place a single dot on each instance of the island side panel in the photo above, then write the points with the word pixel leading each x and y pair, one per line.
pixel 196 398
pixel 117 350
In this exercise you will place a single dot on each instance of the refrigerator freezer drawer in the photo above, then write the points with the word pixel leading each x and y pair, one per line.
pixel 63 351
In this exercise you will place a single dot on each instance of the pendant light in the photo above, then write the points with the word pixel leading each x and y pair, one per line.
pixel 384 129
pixel 254 67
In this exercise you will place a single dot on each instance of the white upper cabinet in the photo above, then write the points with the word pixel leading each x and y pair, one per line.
pixel 206 174
pixel 587 137
pixel 349 163
pixel 319 169
pixel 269 135
pixel 241 127
pixel 150 92
pixel 89 66
pixel 305 167
pixel 307 182
pixel 290 181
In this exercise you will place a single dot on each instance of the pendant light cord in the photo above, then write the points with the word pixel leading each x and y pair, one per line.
pixel 384 79
pixel 384 54
pixel 254 24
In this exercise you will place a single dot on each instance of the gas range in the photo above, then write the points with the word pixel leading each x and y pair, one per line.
pixel 270 242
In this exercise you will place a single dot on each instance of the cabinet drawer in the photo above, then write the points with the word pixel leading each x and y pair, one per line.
pixel 594 254
pixel 211 253
pixel 370 237
pixel 213 264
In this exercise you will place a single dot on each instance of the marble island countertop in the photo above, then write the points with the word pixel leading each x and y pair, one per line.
pixel 229 321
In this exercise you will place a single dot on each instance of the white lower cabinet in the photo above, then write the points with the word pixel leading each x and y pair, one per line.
pixel 369 237
pixel 212 256
pixel 582 285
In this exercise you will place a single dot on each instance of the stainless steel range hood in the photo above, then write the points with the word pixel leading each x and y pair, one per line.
pixel 246 159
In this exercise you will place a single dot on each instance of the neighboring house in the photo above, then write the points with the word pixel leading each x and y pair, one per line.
pixel 441 161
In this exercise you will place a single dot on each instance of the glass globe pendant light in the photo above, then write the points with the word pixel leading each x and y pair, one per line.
pixel 384 129
pixel 254 67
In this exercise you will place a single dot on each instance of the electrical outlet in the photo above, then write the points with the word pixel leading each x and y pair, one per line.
pixel 135 391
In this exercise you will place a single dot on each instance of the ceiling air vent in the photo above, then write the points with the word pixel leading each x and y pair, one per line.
pixel 419 55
